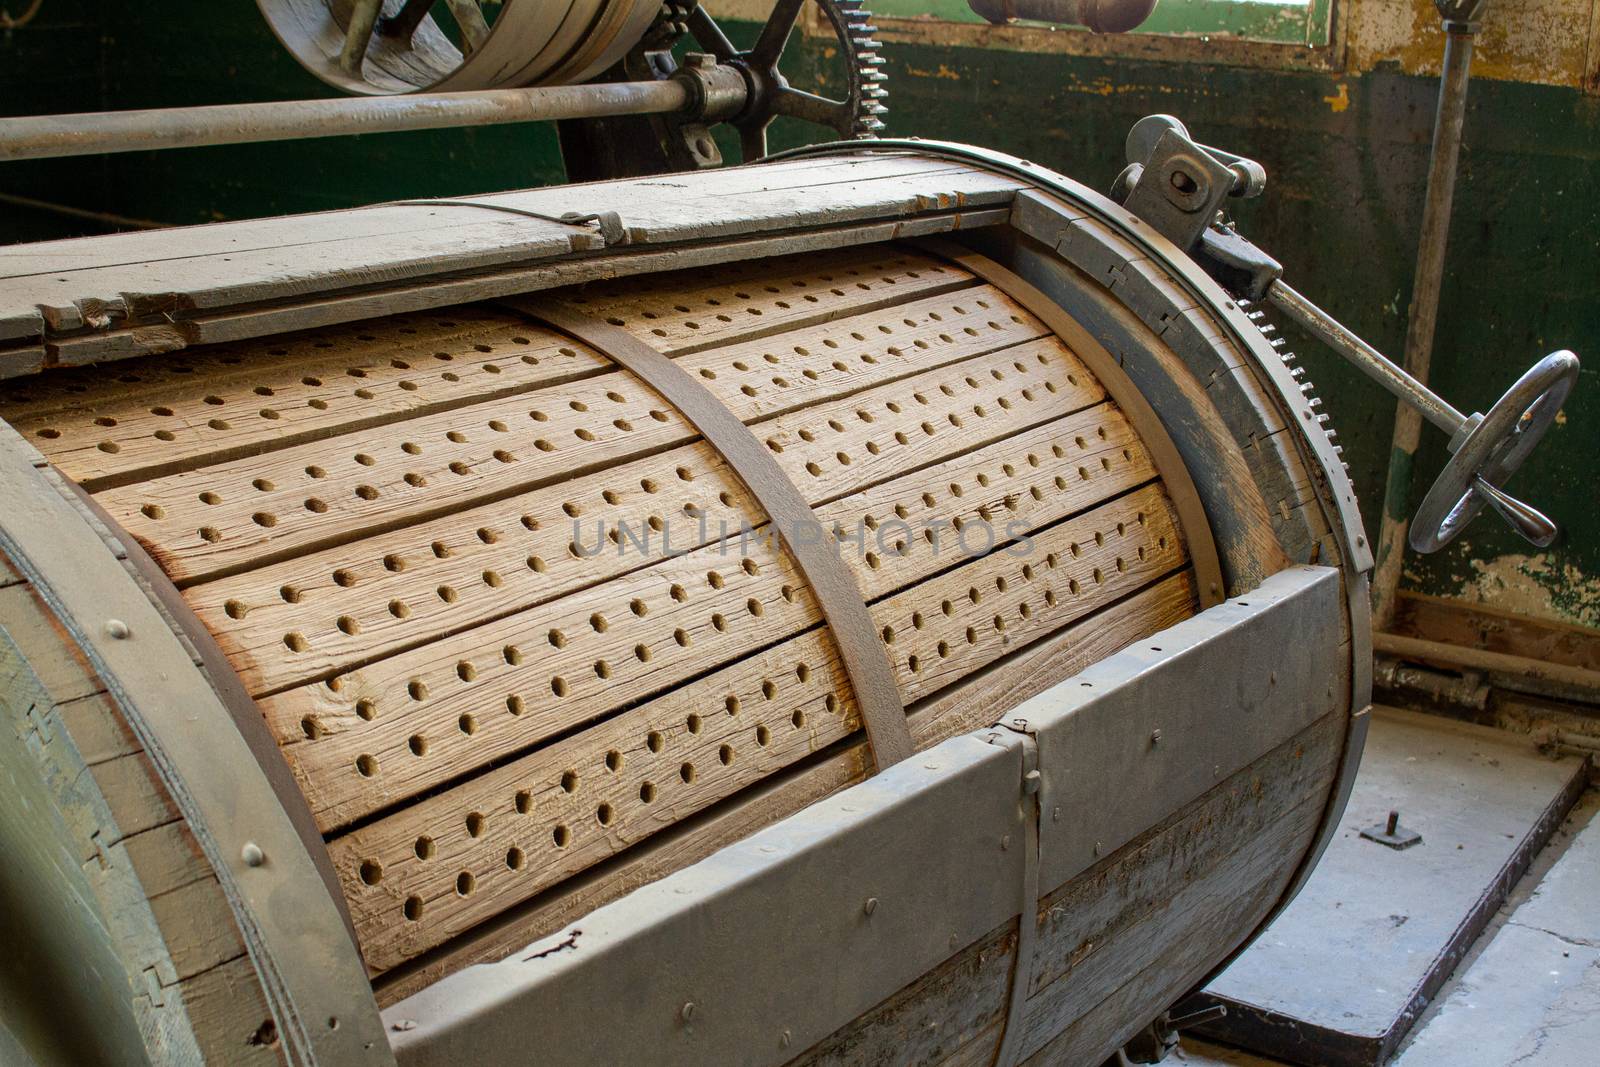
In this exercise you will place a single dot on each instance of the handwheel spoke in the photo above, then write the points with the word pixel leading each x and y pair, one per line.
pixel 1527 521
pixel 705 30
pixel 469 18
pixel 752 142
pixel 775 34
pixel 359 34
pixel 799 104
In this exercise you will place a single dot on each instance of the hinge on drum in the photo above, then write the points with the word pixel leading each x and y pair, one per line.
pixel 1180 187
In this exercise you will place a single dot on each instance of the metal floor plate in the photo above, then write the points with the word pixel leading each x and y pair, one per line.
pixel 1340 977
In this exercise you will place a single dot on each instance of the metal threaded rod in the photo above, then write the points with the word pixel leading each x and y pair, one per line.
pixel 93 133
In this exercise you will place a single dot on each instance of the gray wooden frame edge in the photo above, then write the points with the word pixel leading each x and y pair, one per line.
pixel 310 970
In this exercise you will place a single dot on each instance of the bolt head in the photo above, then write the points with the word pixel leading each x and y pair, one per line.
pixel 252 855
pixel 688 1011
pixel 870 906
pixel 117 630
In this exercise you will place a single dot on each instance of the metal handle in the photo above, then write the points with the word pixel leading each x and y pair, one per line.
pixel 1529 522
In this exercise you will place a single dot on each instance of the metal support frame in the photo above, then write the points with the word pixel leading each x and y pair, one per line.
pixel 1460 25
pixel 705 958
pixel 294 931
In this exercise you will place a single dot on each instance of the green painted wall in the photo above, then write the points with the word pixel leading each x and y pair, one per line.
pixel 1346 157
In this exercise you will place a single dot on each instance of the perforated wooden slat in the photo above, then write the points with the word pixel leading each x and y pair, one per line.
pixel 429 365
pixel 226 516
pixel 200 408
pixel 353 717
pixel 379 595
pixel 729 301
pixel 401 589
pixel 506 835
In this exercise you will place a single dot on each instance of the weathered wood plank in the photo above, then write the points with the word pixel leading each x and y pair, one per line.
pixel 239 323
pixel 976 702
pixel 657 211
pixel 311 615
pixel 252 510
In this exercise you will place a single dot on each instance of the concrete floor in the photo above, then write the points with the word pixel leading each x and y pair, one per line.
pixel 1529 990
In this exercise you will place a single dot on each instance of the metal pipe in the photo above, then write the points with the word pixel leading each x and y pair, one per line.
pixel 1581 683
pixel 1414 397
pixel 1101 16
pixel 1424 301
pixel 48 136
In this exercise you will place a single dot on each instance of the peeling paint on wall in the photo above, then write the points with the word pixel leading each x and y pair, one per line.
pixel 1545 42
pixel 1534 585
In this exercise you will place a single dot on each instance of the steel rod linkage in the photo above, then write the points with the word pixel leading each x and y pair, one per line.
pixel 93 133
pixel 1485 449
pixel 1180 187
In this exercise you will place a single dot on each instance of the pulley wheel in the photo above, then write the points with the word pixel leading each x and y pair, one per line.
pixel 378 47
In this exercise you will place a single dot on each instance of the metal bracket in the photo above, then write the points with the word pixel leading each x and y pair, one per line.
pixel 1178 185
pixel 1391 833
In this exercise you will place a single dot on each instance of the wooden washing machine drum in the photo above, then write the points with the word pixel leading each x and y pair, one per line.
pixel 509 612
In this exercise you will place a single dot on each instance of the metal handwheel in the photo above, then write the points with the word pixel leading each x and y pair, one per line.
pixel 1180 188
pixel 1488 449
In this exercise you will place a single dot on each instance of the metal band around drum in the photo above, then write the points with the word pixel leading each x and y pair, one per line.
pixel 247 717
pixel 311 973
pixel 839 597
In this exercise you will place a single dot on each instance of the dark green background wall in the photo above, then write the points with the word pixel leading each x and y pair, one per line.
pixel 1341 211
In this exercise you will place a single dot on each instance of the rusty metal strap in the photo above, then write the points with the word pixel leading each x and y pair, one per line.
pixel 1008 1053
pixel 839 597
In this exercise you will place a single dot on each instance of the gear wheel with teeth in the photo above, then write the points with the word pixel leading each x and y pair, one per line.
pixel 858 114
pixel 1269 330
